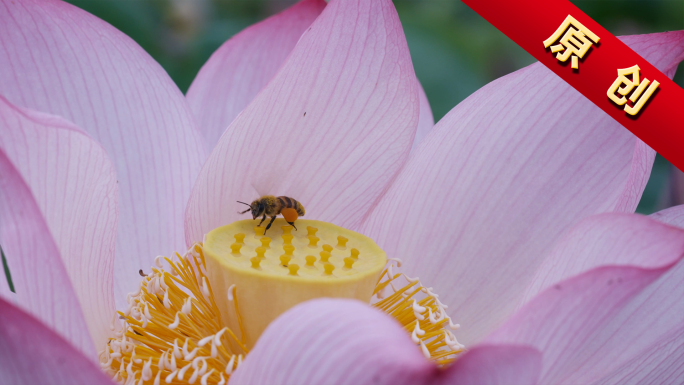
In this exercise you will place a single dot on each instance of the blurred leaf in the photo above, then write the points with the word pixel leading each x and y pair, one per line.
pixel 5 268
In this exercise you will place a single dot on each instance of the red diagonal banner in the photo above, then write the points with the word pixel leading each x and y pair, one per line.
pixel 598 65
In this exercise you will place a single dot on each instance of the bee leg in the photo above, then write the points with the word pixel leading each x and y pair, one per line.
pixel 269 224
pixel 262 220
pixel 292 224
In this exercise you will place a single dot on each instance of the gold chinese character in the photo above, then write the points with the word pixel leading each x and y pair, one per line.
pixel 628 87
pixel 573 43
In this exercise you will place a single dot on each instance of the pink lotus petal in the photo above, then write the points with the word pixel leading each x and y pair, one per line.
pixel 425 121
pixel 673 216
pixel 74 185
pixel 663 50
pixel 31 353
pixel 331 129
pixel 243 65
pixel 41 282
pixel 500 179
pixel 607 239
pixel 494 364
pixel 61 60
pixel 660 364
pixel 616 318
pixel 605 323
pixel 332 341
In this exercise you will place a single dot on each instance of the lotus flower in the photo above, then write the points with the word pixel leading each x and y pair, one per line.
pixel 515 207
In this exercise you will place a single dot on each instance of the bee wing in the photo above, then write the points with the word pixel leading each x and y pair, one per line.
pixel 264 185
pixel 277 180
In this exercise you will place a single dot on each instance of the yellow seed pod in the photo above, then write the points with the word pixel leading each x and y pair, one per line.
pixel 264 289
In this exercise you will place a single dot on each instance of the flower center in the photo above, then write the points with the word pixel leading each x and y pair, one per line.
pixel 273 274
pixel 197 319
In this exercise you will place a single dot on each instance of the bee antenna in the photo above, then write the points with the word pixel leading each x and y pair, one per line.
pixel 249 209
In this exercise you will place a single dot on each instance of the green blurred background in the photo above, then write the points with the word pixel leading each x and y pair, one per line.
pixel 454 50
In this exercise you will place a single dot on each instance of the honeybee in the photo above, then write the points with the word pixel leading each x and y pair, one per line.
pixel 271 206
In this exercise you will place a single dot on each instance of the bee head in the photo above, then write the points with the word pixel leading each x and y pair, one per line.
pixel 258 208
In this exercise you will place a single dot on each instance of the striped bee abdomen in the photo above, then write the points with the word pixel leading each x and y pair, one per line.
pixel 291 203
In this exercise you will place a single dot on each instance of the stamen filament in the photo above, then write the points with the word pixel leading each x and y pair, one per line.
pixel 419 316
pixel 147 350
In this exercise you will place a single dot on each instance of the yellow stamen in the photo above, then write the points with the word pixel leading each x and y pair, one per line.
pixel 172 329
pixel 421 313
pixel 176 330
